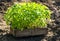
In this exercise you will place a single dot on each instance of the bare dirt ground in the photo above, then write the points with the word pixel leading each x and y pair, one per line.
pixel 53 30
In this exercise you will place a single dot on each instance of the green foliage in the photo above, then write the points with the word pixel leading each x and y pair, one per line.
pixel 27 15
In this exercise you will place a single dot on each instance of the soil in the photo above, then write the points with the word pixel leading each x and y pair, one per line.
pixel 53 28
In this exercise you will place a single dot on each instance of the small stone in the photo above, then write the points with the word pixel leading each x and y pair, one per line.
pixel 50 34
pixel 43 40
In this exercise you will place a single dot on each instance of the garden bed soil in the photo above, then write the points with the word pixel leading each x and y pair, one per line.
pixel 57 0
pixel 29 32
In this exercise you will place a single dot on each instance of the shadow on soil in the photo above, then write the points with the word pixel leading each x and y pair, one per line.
pixel 12 38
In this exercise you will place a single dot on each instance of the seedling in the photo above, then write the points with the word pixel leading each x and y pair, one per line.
pixel 27 16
